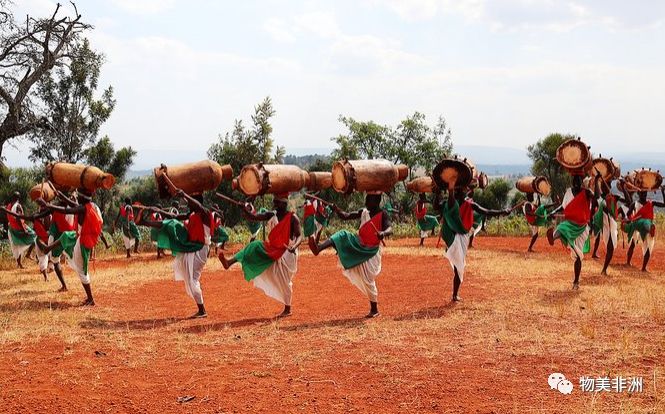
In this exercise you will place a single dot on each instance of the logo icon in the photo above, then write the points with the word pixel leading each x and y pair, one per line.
pixel 558 381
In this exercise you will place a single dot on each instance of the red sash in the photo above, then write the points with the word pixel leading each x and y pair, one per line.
pixel 279 238
pixel 368 231
pixel 155 217
pixel 40 230
pixel 61 222
pixel 530 215
pixel 612 206
pixel 14 222
pixel 129 215
pixel 646 212
pixel 91 228
pixel 578 210
pixel 420 211
pixel 466 214
pixel 309 210
pixel 194 227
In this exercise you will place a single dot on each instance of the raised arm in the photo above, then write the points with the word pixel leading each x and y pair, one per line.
pixel 489 213
pixel 250 215
pixel 33 217
pixel 387 227
pixel 60 209
pixel 346 215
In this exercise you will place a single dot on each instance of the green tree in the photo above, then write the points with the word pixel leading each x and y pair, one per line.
pixel 104 156
pixel 29 50
pixel 364 140
pixel 416 144
pixel 543 155
pixel 74 114
pixel 495 195
pixel 244 146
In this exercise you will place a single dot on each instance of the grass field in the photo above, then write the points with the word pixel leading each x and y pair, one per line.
pixel 493 352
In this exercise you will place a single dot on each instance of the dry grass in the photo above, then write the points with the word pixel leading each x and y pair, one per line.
pixel 519 322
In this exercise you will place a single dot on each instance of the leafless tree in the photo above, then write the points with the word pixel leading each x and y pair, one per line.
pixel 29 50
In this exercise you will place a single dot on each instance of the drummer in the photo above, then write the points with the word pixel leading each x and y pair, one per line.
pixel 360 254
pixel 537 216
pixel 456 229
pixel 272 264
pixel 574 230
pixel 640 224
pixel 427 224
pixel 605 223
pixel 21 237
pixel 130 232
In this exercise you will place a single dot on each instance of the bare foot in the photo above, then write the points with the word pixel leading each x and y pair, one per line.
pixel 595 256
pixel 372 315
pixel 576 286
pixel 457 298
pixel 285 313
pixel 199 315
pixel 88 302
pixel 604 273
pixel 63 289
pixel 550 236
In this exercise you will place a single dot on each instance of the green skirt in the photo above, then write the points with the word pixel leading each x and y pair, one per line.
pixel 173 236
pixel 68 243
pixel 569 232
pixel 220 236
pixel 428 223
pixel 254 259
pixel 309 226
pixel 22 238
pixel 642 226
pixel 351 253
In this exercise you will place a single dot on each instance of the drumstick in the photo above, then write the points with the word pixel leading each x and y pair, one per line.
pixel 313 197
pixel 377 232
pixel 518 205
pixel 229 199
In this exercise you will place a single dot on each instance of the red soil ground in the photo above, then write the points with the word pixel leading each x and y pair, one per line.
pixel 135 352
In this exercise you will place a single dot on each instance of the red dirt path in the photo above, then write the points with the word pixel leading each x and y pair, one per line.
pixel 324 358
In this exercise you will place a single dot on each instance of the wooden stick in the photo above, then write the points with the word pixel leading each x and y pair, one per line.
pixel 229 199
pixel 377 232
pixel 313 197
pixel 518 205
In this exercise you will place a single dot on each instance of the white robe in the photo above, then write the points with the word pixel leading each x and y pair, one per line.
pixel 456 253
pixel 187 267
pixel 364 275
pixel 277 280
pixel 649 242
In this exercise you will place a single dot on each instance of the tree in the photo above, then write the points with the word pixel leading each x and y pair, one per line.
pixel 412 142
pixel 415 144
pixel 28 51
pixel 494 196
pixel 543 155
pixel 244 146
pixel 74 114
pixel 104 156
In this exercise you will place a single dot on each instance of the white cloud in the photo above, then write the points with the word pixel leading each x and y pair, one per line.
pixel 144 6
pixel 323 24
pixel 278 30
pixel 413 10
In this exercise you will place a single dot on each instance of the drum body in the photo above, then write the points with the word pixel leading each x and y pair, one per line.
pixel 458 171
pixel 422 185
pixel 258 179
pixel 67 175
pixel 44 191
pixel 366 175
pixel 319 180
pixel 574 155
pixel 192 178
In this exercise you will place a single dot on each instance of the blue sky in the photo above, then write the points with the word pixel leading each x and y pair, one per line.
pixel 502 72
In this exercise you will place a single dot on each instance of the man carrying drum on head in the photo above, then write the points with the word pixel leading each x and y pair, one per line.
pixel 271 264
pixel 360 254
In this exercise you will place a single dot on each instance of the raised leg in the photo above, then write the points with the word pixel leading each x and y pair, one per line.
pixel 318 248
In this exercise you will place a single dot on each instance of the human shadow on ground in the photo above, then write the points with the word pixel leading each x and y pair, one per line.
pixel 559 296
pixel 35 305
pixel 429 313
pixel 219 326
pixel 132 325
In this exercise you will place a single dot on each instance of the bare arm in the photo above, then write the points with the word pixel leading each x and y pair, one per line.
pixel 295 232
pixel 64 210
pixel 346 215
pixel 33 217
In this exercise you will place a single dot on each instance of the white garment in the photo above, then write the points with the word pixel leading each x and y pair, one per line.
pixel 610 229
pixel 364 275
pixel 647 244
pixel 456 253
pixel 52 259
pixel 17 249
pixel 187 267
pixel 277 280
pixel 42 259
pixel 128 241
pixel 76 262
pixel 577 250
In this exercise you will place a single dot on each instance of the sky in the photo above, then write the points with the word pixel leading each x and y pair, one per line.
pixel 501 72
